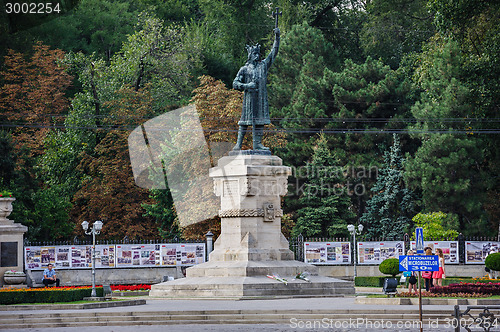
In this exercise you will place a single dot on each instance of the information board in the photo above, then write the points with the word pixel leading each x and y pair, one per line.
pixel 476 251
pixel 327 253
pixel 450 249
pixel 115 256
pixel 376 252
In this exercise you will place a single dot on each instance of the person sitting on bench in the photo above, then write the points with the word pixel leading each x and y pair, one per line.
pixel 49 276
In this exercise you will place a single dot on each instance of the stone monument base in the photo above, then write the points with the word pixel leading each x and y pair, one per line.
pixel 250 247
pixel 241 288
pixel 248 280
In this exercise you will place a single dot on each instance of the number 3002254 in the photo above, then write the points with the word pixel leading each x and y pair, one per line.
pixel 31 8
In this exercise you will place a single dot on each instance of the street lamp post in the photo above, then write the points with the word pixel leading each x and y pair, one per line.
pixel 95 230
pixel 355 232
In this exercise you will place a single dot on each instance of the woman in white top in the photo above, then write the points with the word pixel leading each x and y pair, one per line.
pixel 439 275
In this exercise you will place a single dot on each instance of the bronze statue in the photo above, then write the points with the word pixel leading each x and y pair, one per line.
pixel 252 79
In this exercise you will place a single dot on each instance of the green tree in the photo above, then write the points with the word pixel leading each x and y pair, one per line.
pixel 388 212
pixel 94 26
pixel 394 28
pixel 475 27
pixel 163 212
pixel 325 204
pixel 7 160
pixel 297 94
pixel 437 225
pixel 446 170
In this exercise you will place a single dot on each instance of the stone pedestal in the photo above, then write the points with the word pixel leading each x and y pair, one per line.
pixel 251 245
pixel 11 240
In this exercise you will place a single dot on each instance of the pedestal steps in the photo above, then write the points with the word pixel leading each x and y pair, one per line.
pixel 82 319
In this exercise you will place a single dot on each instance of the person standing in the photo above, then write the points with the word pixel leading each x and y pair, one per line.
pixel 438 276
pixel 412 280
pixel 49 276
pixel 427 275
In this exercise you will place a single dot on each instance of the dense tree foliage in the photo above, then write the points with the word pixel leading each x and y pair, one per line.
pixel 389 212
pixel 73 86
pixel 325 206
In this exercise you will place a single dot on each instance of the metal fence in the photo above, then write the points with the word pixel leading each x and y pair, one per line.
pixel 296 244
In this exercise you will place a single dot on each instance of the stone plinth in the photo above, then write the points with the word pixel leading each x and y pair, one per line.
pixel 11 240
pixel 251 245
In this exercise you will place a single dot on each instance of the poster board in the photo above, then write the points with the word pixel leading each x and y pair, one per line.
pixel 376 252
pixel 114 256
pixel 104 256
pixel 33 258
pixel 182 254
pixel 81 256
pixel 476 251
pixel 327 253
pixel 450 249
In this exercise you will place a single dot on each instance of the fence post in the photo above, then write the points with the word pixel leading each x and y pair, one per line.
pixel 300 248
pixel 407 243
pixel 210 239
pixel 461 249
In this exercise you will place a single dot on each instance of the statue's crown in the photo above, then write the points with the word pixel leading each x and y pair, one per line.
pixel 253 49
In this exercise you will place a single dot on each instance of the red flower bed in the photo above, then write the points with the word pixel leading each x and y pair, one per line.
pixel 468 288
pixel 130 287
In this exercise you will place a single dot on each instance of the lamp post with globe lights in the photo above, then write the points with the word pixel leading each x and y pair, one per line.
pixel 95 230
pixel 352 229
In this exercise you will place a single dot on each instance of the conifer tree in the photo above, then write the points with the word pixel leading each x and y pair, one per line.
pixel 389 211
pixel 326 206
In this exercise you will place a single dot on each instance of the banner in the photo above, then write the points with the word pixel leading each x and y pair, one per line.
pixel 327 253
pixel 376 252
pixel 450 249
pixel 115 256
pixel 476 251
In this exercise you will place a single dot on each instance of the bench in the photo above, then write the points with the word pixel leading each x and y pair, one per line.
pixel 34 279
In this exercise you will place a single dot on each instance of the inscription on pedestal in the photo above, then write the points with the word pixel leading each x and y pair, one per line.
pixel 8 254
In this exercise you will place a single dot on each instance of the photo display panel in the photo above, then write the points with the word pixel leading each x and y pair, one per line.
pixel 477 251
pixel 327 253
pixel 450 249
pixel 376 252
pixel 114 256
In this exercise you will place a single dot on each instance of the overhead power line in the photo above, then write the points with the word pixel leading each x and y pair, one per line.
pixel 275 130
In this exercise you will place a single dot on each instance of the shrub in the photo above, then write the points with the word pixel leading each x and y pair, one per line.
pixel 46 295
pixel 493 261
pixel 429 294
pixel 468 288
pixel 390 266
pixel 369 281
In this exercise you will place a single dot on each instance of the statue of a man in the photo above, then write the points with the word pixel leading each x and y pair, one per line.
pixel 252 78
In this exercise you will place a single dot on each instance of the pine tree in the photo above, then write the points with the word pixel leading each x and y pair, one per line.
pixel 389 211
pixel 326 206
